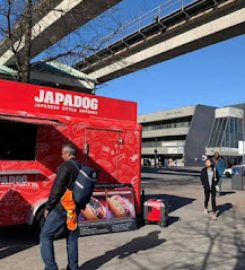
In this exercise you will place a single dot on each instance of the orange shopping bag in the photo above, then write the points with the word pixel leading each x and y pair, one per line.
pixel 69 205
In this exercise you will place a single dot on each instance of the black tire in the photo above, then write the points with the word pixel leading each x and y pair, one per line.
pixel 227 174
pixel 39 222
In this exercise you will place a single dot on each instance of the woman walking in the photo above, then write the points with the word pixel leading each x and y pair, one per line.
pixel 209 179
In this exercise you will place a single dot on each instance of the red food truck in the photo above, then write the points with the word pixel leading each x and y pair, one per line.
pixel 35 122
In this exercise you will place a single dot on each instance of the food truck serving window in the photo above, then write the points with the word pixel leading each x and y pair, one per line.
pixel 17 141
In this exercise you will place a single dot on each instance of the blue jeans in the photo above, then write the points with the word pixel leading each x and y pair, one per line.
pixel 53 223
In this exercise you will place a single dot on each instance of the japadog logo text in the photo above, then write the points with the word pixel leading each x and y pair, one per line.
pixel 66 102
pixel 13 179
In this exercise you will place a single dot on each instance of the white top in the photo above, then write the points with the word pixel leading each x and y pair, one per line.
pixel 210 176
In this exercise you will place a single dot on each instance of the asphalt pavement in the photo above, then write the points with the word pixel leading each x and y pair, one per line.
pixel 192 241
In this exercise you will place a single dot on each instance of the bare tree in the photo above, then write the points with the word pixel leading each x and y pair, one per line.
pixel 20 22
pixel 16 19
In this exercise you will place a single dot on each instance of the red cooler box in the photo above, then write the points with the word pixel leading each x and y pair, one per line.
pixel 155 211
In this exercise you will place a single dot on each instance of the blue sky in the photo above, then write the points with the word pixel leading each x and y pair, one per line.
pixel 214 75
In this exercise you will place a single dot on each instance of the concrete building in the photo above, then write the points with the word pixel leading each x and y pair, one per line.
pixel 180 134
pixel 227 131
pixel 187 135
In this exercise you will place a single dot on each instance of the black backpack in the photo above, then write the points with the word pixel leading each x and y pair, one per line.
pixel 83 186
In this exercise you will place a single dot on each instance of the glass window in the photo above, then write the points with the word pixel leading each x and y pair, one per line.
pixel 174 124
pixel 213 137
pixel 217 133
pixel 222 131
pixel 226 137
pixel 232 133
pixel 17 141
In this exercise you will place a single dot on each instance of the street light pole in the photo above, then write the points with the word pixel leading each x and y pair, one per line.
pixel 243 136
pixel 155 156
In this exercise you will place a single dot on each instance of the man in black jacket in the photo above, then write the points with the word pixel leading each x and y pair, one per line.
pixel 209 179
pixel 55 214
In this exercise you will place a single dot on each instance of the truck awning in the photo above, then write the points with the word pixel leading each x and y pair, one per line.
pixel 30 120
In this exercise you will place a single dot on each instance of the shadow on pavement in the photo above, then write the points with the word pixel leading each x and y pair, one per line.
pixel 173 202
pixel 223 208
pixel 172 220
pixel 149 181
pixel 161 170
pixel 212 246
pixel 136 245
pixel 224 193
pixel 15 239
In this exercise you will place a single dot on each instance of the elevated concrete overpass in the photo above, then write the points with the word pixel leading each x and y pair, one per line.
pixel 52 21
pixel 191 27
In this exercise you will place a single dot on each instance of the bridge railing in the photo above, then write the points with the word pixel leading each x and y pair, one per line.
pixel 136 25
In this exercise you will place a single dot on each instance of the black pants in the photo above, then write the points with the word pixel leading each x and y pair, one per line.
pixel 207 197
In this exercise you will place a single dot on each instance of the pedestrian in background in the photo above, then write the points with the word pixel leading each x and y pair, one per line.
pixel 219 163
pixel 209 179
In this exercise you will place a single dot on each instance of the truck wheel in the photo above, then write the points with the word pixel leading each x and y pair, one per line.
pixel 228 174
pixel 39 222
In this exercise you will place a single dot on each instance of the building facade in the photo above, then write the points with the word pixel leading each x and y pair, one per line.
pixel 227 131
pixel 178 136
pixel 188 135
